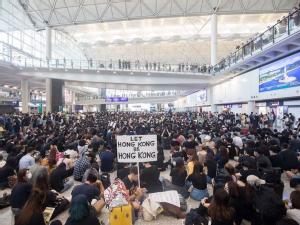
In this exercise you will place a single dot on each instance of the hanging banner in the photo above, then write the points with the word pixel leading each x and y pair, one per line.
pixel 136 148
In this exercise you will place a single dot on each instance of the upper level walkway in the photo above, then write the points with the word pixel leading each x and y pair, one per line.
pixel 276 42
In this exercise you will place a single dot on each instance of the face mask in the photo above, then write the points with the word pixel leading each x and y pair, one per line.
pixel 28 175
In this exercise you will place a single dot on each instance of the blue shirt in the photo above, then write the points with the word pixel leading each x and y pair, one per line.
pixel 107 161
pixel 90 191
pixel 26 161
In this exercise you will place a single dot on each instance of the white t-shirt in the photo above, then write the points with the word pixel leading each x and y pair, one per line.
pixel 238 141
pixel 2 163
pixel 293 214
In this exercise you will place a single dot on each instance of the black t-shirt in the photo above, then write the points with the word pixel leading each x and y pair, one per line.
pixel 246 173
pixel 275 160
pixel 37 219
pixel 20 194
pixel 130 185
pixel 5 172
pixel 91 192
pixel 57 178
pixel 199 182
pixel 180 155
pixel 150 179
pixel 178 177
pixel 223 222
pixel 211 168
pixel 190 144
pixel 288 160
pixel 123 172
pixel 90 220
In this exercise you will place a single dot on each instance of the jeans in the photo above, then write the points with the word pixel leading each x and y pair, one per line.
pixel 198 195
pixel 67 185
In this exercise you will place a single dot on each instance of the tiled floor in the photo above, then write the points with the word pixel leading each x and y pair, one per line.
pixel 6 216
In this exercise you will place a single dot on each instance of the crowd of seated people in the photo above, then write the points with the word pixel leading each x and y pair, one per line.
pixel 247 161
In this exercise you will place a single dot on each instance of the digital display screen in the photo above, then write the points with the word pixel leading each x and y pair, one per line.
pixel 284 73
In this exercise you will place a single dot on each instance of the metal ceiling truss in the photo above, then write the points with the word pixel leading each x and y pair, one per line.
pixel 67 12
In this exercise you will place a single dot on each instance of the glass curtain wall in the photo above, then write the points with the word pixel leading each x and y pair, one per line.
pixel 19 39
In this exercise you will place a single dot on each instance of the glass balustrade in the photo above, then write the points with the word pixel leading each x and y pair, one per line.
pixel 283 28
pixel 109 65
pixel 137 95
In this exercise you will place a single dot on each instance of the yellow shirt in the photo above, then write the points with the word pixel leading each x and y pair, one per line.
pixel 190 168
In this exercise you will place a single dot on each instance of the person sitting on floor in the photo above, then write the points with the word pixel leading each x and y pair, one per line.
pixel 81 212
pixel 199 181
pixel 92 189
pixel 59 178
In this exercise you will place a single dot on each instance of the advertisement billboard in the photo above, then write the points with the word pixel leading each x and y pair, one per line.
pixel 202 96
pixel 284 73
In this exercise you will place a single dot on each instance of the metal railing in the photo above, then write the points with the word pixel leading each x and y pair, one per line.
pixel 282 29
pixel 138 95
pixel 117 65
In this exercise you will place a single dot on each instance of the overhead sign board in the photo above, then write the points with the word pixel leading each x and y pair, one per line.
pixel 116 99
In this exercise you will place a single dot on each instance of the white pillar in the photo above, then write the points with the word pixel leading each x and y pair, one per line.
pixel 48 95
pixel 213 39
pixel 48 43
pixel 25 95
pixel 251 107
pixel 73 101
pixel 213 106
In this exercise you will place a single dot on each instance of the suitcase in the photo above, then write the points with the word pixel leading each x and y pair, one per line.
pixel 122 215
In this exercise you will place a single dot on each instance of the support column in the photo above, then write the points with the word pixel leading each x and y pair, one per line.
pixel 251 107
pixel 103 96
pixel 73 101
pixel 213 106
pixel 25 95
pixel 48 95
pixel 213 39
pixel 48 43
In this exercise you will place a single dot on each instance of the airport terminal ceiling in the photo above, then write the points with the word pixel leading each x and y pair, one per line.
pixel 67 12
pixel 167 31
pixel 168 40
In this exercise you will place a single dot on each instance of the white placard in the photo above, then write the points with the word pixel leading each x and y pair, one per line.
pixel 136 148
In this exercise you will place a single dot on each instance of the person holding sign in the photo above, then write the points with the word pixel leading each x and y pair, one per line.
pixel 131 183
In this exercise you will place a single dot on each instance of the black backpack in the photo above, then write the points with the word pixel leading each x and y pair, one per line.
pixel 272 175
pixel 221 179
pixel 194 218
pixel 269 205
pixel 105 179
